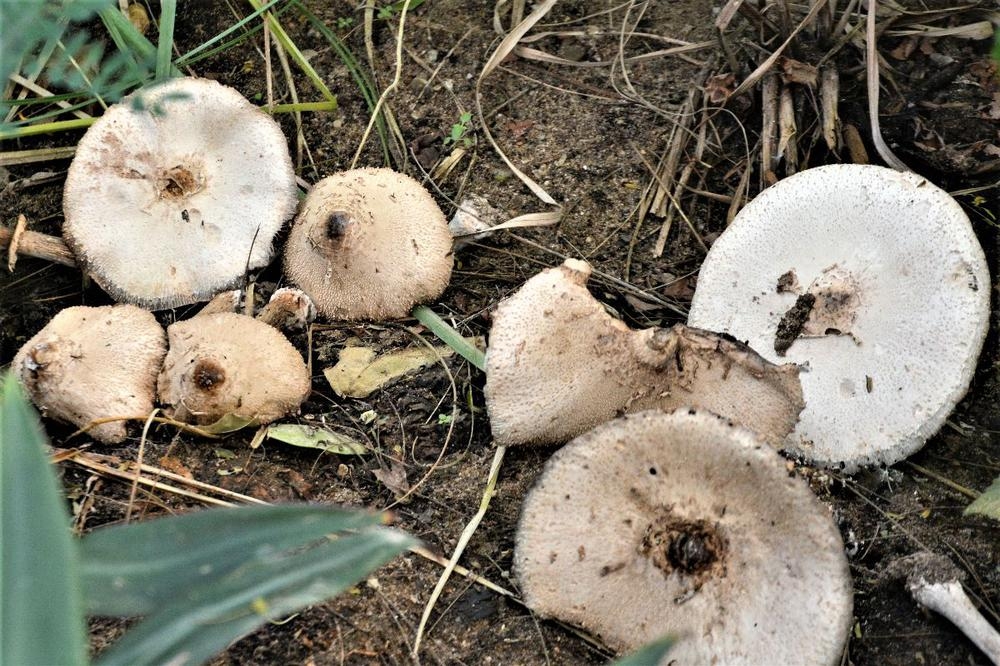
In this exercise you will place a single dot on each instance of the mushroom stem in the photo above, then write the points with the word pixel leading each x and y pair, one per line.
pixel 34 244
pixel 934 581
pixel 950 600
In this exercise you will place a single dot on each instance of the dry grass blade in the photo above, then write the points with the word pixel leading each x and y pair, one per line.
pixel 502 51
pixel 871 56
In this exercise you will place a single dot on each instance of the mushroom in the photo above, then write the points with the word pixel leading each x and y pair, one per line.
pixel 875 281
pixel 684 524
pixel 175 192
pixel 558 364
pixel 227 363
pixel 289 309
pixel 935 582
pixel 369 244
pixel 89 363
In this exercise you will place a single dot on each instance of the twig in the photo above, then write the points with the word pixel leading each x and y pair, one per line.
pixel 871 55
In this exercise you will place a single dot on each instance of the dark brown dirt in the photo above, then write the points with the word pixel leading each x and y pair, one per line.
pixel 585 143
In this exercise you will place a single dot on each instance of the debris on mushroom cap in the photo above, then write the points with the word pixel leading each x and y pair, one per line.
pixel 892 320
pixel 288 308
pixel 558 364
pixel 169 203
pixel 228 363
pixel 369 244
pixel 94 362
pixel 683 524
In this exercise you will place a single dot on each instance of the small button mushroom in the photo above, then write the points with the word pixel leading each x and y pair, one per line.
pixel 170 202
pixel 90 363
pixel 682 524
pixel 227 363
pixel 369 244
pixel 890 321
pixel 558 364
pixel 288 309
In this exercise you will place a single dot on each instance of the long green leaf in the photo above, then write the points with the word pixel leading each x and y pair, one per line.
pixel 165 41
pixel 449 336
pixel 191 629
pixel 41 607
pixel 135 569
pixel 987 504
pixel 647 655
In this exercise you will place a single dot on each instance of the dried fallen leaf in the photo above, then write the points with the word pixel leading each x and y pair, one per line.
pixel 393 478
pixel 229 423
pixel 313 437
pixel 359 371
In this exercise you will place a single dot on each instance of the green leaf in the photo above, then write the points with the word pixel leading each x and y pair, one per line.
pixel 650 653
pixel 165 42
pixel 312 437
pixel 135 569
pixel 987 504
pixel 210 616
pixel 41 607
pixel 449 336
pixel 229 423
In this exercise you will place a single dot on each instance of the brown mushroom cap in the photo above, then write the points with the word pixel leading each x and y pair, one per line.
pixel 369 244
pixel 683 524
pixel 558 364
pixel 170 203
pixel 94 362
pixel 227 363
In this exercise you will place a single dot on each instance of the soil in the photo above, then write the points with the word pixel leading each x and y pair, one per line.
pixel 585 134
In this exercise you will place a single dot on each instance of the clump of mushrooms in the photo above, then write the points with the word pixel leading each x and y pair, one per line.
pixel 559 364
pixel 89 363
pixel 871 279
pixel 369 244
pixel 175 192
pixel 683 524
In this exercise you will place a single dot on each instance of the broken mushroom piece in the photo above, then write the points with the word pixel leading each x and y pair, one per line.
pixel 936 583
pixel 288 309
pixel 871 278
pixel 369 244
pixel 682 524
pixel 176 191
pixel 558 364
pixel 228 363
pixel 90 363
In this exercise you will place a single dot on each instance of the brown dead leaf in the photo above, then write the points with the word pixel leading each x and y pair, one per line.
pixel 796 71
pixel 173 464
pixel 905 48
pixel 393 478
pixel 719 87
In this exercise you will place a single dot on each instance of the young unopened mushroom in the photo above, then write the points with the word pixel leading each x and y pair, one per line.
pixel 228 363
pixel 558 364
pixel 875 281
pixel 288 309
pixel 176 191
pixel 682 524
pixel 936 583
pixel 369 244
pixel 94 362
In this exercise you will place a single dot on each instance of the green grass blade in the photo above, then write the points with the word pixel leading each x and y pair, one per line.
pixel 135 569
pixel 449 336
pixel 651 653
pixel 295 54
pixel 165 41
pixel 45 128
pixel 206 48
pixel 125 35
pixel 203 622
pixel 41 607
pixel 360 76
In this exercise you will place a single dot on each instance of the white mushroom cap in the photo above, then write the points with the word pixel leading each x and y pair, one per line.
pixel 227 363
pixel 889 312
pixel 558 364
pixel 171 203
pixel 369 244
pixel 91 363
pixel 682 524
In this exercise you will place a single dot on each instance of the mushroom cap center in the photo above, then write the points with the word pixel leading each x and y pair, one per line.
pixel 695 549
pixel 179 182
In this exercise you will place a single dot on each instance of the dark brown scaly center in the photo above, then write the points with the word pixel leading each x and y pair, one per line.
pixel 208 375
pixel 178 182
pixel 692 548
